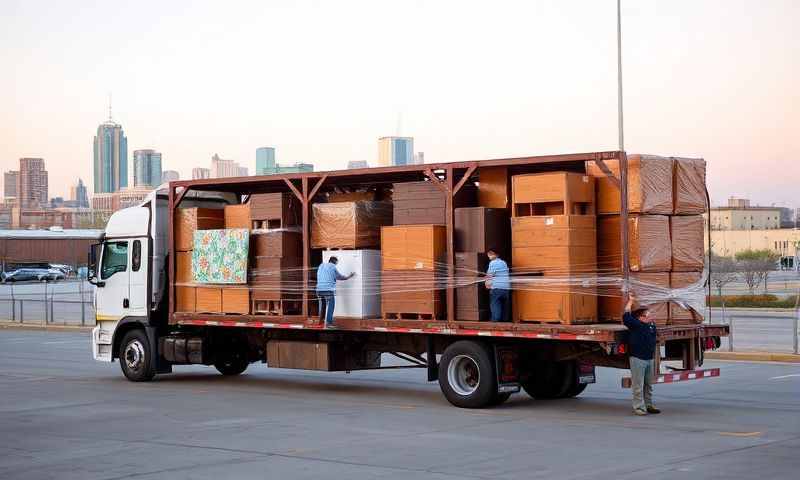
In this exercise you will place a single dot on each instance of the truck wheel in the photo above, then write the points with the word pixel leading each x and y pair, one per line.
pixel 575 389
pixel 231 365
pixel 549 380
pixel 134 357
pixel 467 376
pixel 500 398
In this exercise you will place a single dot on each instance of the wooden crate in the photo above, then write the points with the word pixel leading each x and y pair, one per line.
pixel 236 300
pixel 185 299
pixel 649 244
pixel 689 186
pixel 494 188
pixel 412 294
pixel 686 235
pixel 413 247
pixel 276 244
pixel 349 224
pixel 209 299
pixel 275 210
pixel 564 304
pixel 558 245
pixel 237 216
pixel 555 193
pixel 477 229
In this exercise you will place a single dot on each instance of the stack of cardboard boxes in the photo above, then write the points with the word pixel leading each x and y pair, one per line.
pixel 276 260
pixel 666 200
pixel 476 230
pixel 190 296
pixel 553 239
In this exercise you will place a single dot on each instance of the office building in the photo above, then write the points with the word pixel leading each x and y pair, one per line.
pixel 169 176
pixel 740 215
pixel 32 183
pixel 419 158
pixel 199 173
pixel 79 195
pixel 222 168
pixel 393 151
pixel 146 168
pixel 10 184
pixel 243 172
pixel 265 160
pixel 355 164
pixel 110 158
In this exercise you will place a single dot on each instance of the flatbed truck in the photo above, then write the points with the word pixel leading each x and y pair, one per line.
pixel 477 364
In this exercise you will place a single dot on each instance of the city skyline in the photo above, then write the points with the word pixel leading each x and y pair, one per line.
pixel 731 105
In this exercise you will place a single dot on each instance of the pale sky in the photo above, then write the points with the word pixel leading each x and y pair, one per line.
pixel 321 81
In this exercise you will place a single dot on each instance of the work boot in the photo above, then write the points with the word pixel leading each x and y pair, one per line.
pixel 640 412
pixel 653 410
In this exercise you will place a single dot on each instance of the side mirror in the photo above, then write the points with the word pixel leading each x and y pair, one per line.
pixel 91 264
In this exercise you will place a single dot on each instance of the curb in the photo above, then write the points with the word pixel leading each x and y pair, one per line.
pixel 754 356
pixel 40 327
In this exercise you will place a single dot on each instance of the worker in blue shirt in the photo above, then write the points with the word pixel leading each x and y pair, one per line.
pixel 327 275
pixel 642 348
pixel 499 286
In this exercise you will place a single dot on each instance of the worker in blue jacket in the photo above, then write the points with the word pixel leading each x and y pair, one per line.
pixel 327 276
pixel 642 350
pixel 499 286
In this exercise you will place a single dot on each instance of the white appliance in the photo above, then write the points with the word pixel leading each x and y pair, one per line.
pixel 360 296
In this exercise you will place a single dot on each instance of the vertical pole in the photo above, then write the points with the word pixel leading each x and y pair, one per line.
pixel 52 317
pixel 623 221
pixel 796 313
pixel 13 304
pixel 730 333
pixel 451 303
pixel 306 255
pixel 46 319
pixel 619 76
pixel 83 304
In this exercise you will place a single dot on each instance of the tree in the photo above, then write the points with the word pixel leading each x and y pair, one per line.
pixel 755 266
pixel 724 270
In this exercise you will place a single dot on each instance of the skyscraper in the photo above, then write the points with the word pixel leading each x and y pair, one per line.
pixel 110 157
pixel 221 168
pixel 79 195
pixel 419 158
pixel 10 184
pixel 394 151
pixel 146 168
pixel 199 173
pixel 32 183
pixel 265 160
pixel 169 176
pixel 353 164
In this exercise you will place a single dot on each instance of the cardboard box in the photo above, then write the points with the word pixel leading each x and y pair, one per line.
pixel 649 185
pixel 407 294
pixel 236 300
pixel 683 280
pixel 414 247
pixel 420 203
pixel 643 285
pixel 477 229
pixel 687 243
pixel 649 245
pixel 564 304
pixel 275 210
pixel 554 193
pixel 494 189
pixel 276 243
pixel 209 299
pixel 185 299
pixel 277 278
pixel 189 220
pixel 237 216
pixel 220 256
pixel 349 224
pixel 183 268
pixel 689 192
pixel 555 245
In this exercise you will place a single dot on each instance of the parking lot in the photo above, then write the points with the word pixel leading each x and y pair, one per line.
pixel 64 416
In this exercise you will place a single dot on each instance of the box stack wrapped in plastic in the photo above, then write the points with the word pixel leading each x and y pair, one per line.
pixel 219 263
pixel 476 229
pixel 413 271
pixel 666 200
pixel 276 271
pixel 349 224
pixel 553 239
pixel 187 291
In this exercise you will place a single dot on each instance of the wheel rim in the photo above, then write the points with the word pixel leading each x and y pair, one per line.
pixel 463 375
pixel 134 355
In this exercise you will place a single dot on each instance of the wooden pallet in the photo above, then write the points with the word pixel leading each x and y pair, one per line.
pixel 409 316
pixel 277 307
pixel 267 224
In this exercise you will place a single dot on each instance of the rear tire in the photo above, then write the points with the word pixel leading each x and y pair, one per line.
pixel 467 375
pixel 134 357
pixel 235 364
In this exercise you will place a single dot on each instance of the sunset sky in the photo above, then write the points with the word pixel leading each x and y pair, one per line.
pixel 321 81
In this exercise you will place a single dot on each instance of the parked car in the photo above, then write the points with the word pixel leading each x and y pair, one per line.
pixel 33 274
pixel 65 269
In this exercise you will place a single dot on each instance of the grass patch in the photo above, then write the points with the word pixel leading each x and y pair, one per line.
pixel 752 301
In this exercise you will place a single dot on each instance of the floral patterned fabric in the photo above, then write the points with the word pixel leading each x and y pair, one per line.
pixel 220 256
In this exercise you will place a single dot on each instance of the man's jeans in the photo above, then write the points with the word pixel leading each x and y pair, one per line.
pixel 326 298
pixel 642 382
pixel 498 304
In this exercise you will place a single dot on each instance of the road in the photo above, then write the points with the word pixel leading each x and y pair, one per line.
pixel 64 416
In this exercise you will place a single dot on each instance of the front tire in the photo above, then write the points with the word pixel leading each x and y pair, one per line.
pixel 134 357
pixel 467 375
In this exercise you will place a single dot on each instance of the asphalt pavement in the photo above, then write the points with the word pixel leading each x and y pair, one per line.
pixel 64 416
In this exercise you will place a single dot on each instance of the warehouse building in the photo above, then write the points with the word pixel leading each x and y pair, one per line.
pixel 63 246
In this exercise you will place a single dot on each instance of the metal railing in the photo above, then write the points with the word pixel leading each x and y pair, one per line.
pixel 759 329
pixel 66 302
